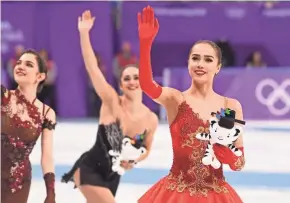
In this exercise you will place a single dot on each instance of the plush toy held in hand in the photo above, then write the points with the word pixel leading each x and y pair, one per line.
pixel 132 149
pixel 222 131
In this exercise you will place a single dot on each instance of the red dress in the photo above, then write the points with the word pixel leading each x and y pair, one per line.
pixel 189 181
pixel 21 126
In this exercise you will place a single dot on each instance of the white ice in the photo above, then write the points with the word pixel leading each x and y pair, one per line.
pixel 266 151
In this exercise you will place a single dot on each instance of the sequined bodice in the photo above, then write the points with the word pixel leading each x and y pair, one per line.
pixel 109 137
pixel 187 172
pixel 21 125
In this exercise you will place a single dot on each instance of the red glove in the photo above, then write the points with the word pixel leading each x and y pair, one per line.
pixel 49 179
pixel 226 156
pixel 148 28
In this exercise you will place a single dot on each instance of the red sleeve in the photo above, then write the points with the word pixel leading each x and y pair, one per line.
pixel 148 85
pixel 239 162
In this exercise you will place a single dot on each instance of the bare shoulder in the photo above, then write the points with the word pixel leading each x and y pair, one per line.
pixel 151 117
pixel 169 97
pixel 153 121
pixel 234 104
pixel 50 113
pixel 154 118
pixel 173 93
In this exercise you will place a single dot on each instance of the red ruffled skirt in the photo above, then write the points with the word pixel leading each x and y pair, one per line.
pixel 159 193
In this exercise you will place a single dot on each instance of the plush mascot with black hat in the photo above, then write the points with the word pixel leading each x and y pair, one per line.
pixel 224 131
pixel 132 149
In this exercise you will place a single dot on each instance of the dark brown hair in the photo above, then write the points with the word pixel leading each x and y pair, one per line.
pixel 127 66
pixel 217 49
pixel 42 68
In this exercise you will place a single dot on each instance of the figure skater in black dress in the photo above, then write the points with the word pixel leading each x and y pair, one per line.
pixel 120 116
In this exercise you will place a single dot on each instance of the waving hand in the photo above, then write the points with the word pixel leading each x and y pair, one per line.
pixel 86 22
pixel 148 25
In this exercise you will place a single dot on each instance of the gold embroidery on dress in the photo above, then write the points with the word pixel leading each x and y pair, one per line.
pixel 202 179
pixel 240 163
pixel 189 142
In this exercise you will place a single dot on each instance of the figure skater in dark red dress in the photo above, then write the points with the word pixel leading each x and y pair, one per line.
pixel 23 120
pixel 188 114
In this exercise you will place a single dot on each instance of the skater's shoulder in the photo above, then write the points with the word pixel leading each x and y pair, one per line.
pixel 233 103
pixel 49 113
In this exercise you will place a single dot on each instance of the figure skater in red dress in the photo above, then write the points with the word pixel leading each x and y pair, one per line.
pixel 23 120
pixel 188 113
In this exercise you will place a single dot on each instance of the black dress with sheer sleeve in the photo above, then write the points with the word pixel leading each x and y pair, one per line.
pixel 21 125
pixel 96 164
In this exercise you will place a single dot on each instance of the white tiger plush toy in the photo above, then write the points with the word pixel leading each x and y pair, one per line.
pixel 131 150
pixel 222 130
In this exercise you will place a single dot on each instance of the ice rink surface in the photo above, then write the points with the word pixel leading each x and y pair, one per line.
pixel 265 179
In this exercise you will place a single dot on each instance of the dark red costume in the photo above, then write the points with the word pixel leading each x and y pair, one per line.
pixel 21 126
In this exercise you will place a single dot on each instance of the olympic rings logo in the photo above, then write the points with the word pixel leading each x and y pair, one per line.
pixel 279 92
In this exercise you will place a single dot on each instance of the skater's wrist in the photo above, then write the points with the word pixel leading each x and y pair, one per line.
pixel 49 179
pixel 127 165
pixel 238 162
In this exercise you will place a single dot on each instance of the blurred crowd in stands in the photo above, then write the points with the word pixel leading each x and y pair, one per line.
pixel 123 57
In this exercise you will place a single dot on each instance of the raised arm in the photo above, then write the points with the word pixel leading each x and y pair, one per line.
pixel 101 86
pixel 148 27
